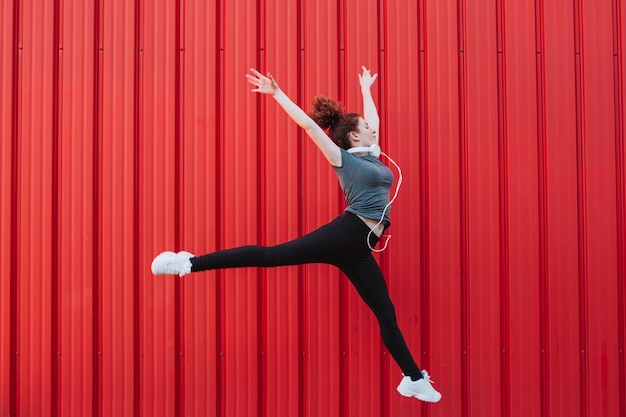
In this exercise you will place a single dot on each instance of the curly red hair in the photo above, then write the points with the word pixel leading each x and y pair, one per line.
pixel 329 114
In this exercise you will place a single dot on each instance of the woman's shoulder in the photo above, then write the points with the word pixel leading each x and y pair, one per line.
pixel 347 158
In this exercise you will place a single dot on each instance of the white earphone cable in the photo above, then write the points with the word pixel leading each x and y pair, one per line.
pixel 382 217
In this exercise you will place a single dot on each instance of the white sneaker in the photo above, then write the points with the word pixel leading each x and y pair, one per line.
pixel 170 263
pixel 420 389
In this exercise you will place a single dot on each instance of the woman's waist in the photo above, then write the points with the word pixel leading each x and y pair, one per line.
pixel 376 226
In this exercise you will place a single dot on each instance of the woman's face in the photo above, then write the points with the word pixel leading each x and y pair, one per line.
pixel 366 136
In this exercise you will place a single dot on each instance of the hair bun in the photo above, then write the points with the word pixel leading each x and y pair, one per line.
pixel 326 111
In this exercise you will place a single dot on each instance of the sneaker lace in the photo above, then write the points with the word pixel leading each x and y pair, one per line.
pixel 427 377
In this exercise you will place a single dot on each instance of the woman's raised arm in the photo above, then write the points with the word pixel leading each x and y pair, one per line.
pixel 370 114
pixel 267 85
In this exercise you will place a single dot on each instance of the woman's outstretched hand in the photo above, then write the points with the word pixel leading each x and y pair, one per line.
pixel 366 79
pixel 265 85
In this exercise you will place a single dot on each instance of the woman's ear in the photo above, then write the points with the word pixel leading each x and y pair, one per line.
pixel 354 138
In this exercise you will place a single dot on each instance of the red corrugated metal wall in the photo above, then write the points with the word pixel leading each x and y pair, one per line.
pixel 128 128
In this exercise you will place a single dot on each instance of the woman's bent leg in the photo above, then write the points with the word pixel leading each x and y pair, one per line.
pixel 367 278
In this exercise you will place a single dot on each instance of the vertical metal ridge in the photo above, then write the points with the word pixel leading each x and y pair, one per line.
pixel 14 316
pixel 464 211
pixel 424 194
pixel 342 284
pixel 55 217
pixel 97 215
pixel 581 147
pixel 582 210
pixel 302 277
pixel 341 48
pixel 262 314
pixel 219 211
pixel 503 180
pixel 179 295
pixel 137 178
pixel 385 400
pixel 618 65
pixel 542 163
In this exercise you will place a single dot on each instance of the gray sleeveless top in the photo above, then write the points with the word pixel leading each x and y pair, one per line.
pixel 365 182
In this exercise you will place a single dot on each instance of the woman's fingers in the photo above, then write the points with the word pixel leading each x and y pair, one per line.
pixel 366 78
pixel 367 74
pixel 257 73
pixel 256 79
pixel 274 83
pixel 253 80
pixel 264 84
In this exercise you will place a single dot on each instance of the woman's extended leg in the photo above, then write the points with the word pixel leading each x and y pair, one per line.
pixel 323 245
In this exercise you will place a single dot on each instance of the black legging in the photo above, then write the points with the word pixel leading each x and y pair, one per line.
pixel 341 243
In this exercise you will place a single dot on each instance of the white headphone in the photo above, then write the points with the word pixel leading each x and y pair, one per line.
pixel 374 150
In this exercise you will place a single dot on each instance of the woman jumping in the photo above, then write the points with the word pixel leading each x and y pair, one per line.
pixel 347 242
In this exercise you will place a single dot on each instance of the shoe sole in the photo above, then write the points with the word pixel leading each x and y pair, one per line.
pixel 421 399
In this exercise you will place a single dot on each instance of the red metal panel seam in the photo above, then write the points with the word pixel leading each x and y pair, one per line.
pixel 621 201
pixel 16 102
pixel 344 314
pixel 464 221
pixel 544 308
pixel 262 315
pixel 302 278
pixel 582 210
pixel 55 281
pixel 424 196
pixel 219 211
pixel 385 400
pixel 179 304
pixel 97 214
pixel 137 188
pixel 503 179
